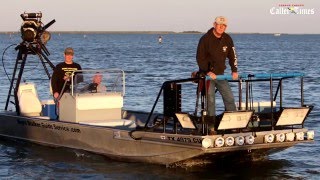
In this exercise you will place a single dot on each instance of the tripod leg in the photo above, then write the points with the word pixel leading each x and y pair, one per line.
pixel 47 60
pixel 44 65
pixel 43 58
pixel 24 58
pixel 15 82
pixel 19 57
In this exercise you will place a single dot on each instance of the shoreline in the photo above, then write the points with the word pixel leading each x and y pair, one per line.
pixel 111 32
pixel 150 32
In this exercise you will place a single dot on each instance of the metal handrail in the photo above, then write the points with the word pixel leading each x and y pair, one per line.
pixel 242 78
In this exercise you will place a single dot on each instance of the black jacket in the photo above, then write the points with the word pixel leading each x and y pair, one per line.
pixel 61 70
pixel 212 53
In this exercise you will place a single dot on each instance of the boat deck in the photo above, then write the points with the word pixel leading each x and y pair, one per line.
pixel 123 124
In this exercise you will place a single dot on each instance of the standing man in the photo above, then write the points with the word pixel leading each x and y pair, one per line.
pixel 213 49
pixel 62 73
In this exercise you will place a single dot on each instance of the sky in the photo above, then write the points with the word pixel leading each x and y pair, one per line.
pixel 244 16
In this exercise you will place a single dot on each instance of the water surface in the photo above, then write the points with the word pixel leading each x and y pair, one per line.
pixel 147 65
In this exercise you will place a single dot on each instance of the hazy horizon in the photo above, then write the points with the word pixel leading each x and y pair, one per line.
pixel 247 16
pixel 155 32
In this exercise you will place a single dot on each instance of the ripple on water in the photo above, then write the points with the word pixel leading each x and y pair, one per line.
pixel 147 64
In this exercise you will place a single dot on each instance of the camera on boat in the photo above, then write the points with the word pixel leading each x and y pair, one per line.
pixel 32 30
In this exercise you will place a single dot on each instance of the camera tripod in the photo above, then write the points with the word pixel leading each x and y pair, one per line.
pixel 24 49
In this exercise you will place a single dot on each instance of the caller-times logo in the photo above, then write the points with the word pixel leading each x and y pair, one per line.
pixel 297 9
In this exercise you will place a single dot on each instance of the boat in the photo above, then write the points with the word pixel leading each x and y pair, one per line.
pixel 277 34
pixel 96 121
pixel 91 116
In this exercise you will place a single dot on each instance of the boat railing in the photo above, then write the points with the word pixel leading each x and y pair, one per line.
pixel 271 77
pixel 172 89
pixel 176 108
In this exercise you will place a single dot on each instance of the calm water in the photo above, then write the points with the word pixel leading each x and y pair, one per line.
pixel 147 64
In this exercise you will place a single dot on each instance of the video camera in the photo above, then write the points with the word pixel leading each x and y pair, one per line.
pixel 32 30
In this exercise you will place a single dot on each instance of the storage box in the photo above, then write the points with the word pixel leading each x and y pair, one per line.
pixel 261 107
pixel 49 109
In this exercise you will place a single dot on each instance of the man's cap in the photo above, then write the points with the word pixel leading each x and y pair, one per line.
pixel 221 20
pixel 68 51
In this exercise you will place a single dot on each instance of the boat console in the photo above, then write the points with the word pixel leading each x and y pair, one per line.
pixel 96 98
pixel 86 107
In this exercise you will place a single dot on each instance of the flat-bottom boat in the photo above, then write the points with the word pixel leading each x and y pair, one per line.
pixel 95 121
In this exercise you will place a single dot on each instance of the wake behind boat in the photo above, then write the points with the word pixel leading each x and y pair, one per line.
pixel 91 116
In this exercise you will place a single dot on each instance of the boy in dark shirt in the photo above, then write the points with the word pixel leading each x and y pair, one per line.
pixel 62 73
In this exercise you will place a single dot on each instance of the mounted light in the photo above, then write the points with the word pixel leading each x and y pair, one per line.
pixel 229 141
pixel 280 137
pixel 45 37
pixel 207 142
pixel 249 139
pixel 240 140
pixel 185 120
pixel 292 116
pixel 310 135
pixel 290 136
pixel 300 136
pixel 219 142
pixel 269 138
pixel 235 120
